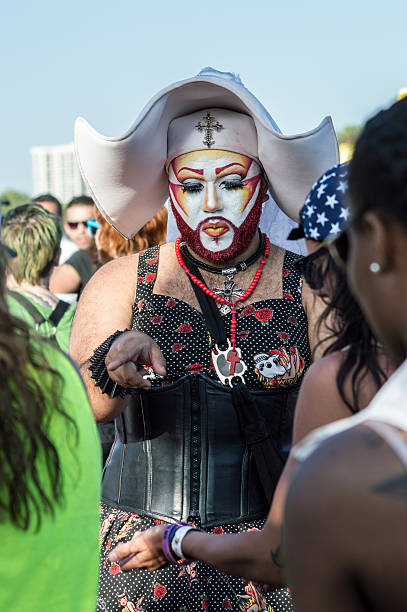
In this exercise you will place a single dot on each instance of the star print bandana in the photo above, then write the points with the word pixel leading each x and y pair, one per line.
pixel 325 213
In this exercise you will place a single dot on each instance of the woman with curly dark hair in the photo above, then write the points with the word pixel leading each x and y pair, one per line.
pixel 347 501
pixel 49 474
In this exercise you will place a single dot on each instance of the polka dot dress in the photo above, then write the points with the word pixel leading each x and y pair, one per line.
pixel 191 588
pixel 272 335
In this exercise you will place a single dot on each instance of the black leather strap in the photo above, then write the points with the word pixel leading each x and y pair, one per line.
pixel 213 319
pixel 58 312
pixel 253 426
pixel 257 436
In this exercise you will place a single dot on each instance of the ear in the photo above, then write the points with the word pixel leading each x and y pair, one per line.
pixel 380 239
pixel 263 190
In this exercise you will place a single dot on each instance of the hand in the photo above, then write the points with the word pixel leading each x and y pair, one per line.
pixel 144 551
pixel 128 350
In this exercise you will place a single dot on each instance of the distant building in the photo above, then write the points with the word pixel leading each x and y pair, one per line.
pixel 55 171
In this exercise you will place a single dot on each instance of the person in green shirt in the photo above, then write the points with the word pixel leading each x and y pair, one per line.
pixel 35 235
pixel 50 472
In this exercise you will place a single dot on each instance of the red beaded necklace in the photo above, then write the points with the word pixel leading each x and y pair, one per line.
pixel 232 356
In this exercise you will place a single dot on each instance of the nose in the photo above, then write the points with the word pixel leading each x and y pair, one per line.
pixel 211 200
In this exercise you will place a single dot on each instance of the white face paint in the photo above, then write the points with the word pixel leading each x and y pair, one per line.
pixel 213 193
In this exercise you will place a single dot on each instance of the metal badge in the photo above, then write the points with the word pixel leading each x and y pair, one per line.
pixel 228 363
pixel 228 292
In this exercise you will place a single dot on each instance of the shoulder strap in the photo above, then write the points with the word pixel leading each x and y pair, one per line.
pixel 213 319
pixel 55 316
pixel 253 426
pixel 29 306
pixel 147 272
pixel 58 312
pixel 257 436
pixel 291 277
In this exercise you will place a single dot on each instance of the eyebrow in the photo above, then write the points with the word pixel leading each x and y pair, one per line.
pixel 218 170
pixel 191 170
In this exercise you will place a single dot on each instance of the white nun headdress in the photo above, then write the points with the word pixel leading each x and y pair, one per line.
pixel 127 174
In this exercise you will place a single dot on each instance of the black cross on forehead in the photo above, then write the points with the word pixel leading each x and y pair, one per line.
pixel 210 124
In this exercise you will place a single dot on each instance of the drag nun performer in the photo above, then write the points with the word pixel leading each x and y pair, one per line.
pixel 196 348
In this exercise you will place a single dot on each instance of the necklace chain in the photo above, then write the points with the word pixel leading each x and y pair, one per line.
pixel 220 299
pixel 232 270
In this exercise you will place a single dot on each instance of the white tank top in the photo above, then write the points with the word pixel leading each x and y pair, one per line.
pixel 386 411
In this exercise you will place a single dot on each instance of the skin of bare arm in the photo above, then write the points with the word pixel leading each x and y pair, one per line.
pixel 345 524
pixel 97 319
pixel 243 554
pixel 64 279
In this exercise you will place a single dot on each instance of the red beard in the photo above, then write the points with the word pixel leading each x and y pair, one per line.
pixel 242 235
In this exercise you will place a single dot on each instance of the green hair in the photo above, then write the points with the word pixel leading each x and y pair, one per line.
pixel 34 234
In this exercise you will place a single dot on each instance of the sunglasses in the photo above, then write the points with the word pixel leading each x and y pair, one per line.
pixel 75 224
pixel 93 226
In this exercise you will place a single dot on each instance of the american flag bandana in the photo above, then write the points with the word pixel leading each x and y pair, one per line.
pixel 325 213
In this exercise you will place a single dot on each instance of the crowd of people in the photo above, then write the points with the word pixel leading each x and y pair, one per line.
pixel 229 310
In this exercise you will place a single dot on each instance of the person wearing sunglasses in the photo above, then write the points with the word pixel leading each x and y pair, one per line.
pixel 72 276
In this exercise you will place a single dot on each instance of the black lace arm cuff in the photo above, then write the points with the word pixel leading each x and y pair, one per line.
pixel 99 370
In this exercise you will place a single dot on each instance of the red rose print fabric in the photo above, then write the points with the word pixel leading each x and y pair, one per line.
pixel 272 336
pixel 177 588
pixel 261 328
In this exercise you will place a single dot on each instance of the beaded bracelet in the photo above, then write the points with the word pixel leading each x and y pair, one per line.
pixel 99 370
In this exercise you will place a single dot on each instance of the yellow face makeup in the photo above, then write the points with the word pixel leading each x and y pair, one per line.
pixel 213 192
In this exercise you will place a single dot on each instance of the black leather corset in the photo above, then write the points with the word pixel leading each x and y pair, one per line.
pixel 179 453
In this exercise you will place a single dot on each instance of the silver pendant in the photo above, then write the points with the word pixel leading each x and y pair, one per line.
pixel 228 363
pixel 228 293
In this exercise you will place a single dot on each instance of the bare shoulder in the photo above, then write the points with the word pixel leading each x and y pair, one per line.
pixel 117 268
pixel 117 278
pixel 352 483
pixel 319 401
pixel 345 528
pixel 354 490
pixel 166 248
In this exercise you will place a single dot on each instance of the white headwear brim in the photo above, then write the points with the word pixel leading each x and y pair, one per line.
pixel 126 175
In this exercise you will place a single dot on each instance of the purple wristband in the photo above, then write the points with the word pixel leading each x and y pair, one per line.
pixel 166 539
pixel 165 542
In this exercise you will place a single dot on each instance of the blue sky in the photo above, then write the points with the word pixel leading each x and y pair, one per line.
pixel 104 60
